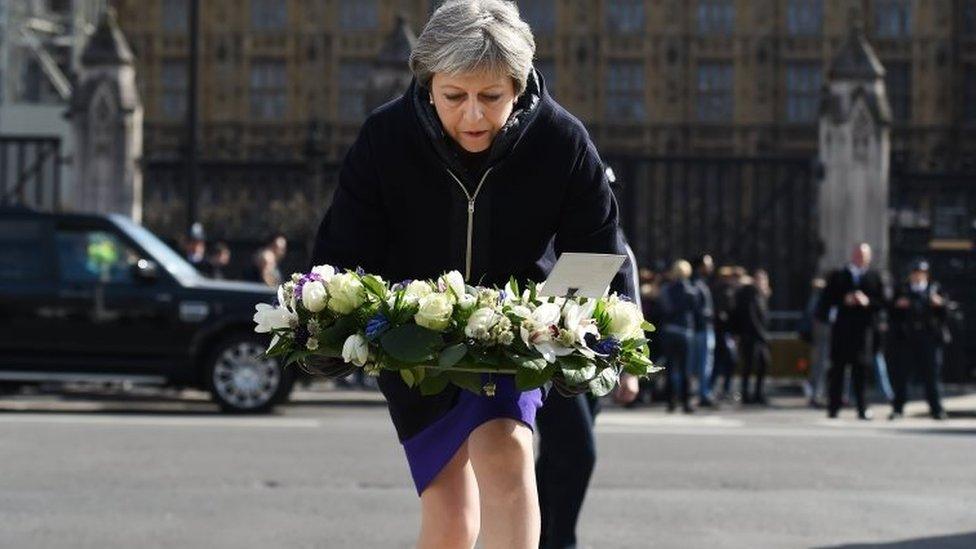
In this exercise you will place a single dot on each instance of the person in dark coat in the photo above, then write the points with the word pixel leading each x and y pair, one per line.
pixel 752 311
pixel 677 303
pixel 723 293
pixel 850 302
pixel 475 168
pixel 920 333
pixel 703 344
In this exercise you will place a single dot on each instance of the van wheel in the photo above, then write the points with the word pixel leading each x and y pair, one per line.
pixel 242 380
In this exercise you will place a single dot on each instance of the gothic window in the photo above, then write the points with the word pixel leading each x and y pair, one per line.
pixel 173 79
pixel 353 83
pixel 804 17
pixel 715 97
pixel 268 90
pixel 539 14
pixel 716 17
pixel 898 79
pixel 624 16
pixel 269 15
pixel 803 82
pixel 174 16
pixel 359 14
pixel 625 91
pixel 893 18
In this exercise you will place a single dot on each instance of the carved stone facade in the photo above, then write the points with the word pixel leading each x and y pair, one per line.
pixel 106 114
pixel 855 147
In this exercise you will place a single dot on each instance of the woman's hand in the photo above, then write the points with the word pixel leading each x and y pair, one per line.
pixel 627 389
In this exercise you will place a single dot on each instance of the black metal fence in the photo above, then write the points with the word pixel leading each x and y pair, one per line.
pixel 749 211
pixel 242 203
pixel 30 172
pixel 933 216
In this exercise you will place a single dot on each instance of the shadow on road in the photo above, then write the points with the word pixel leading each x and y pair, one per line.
pixel 953 541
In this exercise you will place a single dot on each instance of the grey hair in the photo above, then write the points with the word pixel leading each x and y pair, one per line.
pixel 472 36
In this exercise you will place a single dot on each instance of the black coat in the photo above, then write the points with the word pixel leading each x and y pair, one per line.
pixel 752 313
pixel 855 328
pixel 920 320
pixel 406 208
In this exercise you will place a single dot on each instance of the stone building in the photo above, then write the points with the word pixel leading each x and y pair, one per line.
pixel 656 76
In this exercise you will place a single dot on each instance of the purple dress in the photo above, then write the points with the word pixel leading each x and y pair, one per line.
pixel 432 429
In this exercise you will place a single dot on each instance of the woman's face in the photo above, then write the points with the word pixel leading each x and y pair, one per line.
pixel 473 107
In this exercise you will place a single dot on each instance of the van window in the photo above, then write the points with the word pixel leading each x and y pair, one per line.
pixel 22 253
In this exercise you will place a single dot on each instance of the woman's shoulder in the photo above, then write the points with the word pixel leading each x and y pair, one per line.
pixel 555 122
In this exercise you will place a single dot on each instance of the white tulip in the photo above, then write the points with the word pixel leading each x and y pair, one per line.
pixel 453 281
pixel 355 350
pixel 480 322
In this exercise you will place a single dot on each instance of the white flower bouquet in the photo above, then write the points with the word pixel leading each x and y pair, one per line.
pixel 438 332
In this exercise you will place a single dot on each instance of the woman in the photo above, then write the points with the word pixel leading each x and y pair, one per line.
pixel 753 311
pixel 474 168
pixel 678 301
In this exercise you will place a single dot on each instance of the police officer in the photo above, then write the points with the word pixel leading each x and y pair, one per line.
pixel 920 333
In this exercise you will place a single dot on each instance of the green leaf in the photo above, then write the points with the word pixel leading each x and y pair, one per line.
pixel 579 376
pixel 527 378
pixel 648 327
pixel 335 336
pixel 411 343
pixel 407 376
pixel 419 373
pixel 432 385
pixel 451 355
pixel 515 287
pixel 375 287
pixel 527 362
pixel 604 382
pixel 467 380
pixel 486 357
pixel 573 362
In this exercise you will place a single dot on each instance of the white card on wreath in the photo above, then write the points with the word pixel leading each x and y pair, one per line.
pixel 582 275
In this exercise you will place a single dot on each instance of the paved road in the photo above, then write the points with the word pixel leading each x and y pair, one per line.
pixel 327 472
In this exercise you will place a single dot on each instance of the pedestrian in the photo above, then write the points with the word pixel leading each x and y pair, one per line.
pixel 920 334
pixel 817 334
pixel 851 301
pixel 678 302
pixel 703 344
pixel 723 296
pixel 195 245
pixel 475 168
pixel 218 257
pixel 752 311
pixel 266 261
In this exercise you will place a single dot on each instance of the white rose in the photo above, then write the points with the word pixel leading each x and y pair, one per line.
pixel 314 296
pixel 269 318
pixel 324 271
pixel 480 322
pixel 435 311
pixel 355 350
pixel 453 281
pixel 416 290
pixel 346 293
pixel 625 320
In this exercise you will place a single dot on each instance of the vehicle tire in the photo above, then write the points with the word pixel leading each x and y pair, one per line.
pixel 242 380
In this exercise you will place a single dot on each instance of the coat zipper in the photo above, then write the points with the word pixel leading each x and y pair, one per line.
pixel 471 201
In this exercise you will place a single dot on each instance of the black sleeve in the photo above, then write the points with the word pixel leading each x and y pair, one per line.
pixel 828 299
pixel 353 232
pixel 589 221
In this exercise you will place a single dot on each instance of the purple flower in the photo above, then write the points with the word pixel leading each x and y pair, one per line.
pixel 376 325
pixel 502 294
pixel 360 271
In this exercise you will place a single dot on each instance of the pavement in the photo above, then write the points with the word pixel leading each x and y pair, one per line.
pixel 93 468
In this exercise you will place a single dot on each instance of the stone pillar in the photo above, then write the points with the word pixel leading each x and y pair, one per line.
pixel 855 125
pixel 106 117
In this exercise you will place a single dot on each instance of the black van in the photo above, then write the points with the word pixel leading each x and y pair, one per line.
pixel 100 298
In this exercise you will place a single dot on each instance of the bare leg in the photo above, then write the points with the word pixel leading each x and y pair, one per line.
pixel 450 516
pixel 501 454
